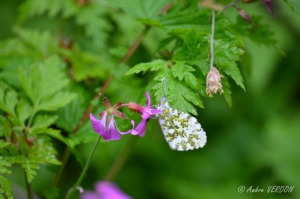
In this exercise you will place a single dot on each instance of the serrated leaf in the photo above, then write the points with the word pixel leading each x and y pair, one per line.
pixel 226 57
pixel 57 101
pixel 295 5
pixel 142 9
pixel 70 115
pixel 5 187
pixel 26 84
pixel 178 94
pixel 182 70
pixel 37 44
pixel 41 123
pixel 45 94
pixel 24 109
pixel 8 101
pixel 40 153
pixel 143 67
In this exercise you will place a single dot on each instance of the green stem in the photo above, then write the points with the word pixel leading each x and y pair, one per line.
pixel 86 166
pixel 33 113
pixel 120 160
pixel 28 188
pixel 64 159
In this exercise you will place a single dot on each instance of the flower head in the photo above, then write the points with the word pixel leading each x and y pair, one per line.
pixel 107 127
pixel 105 190
pixel 213 82
pixel 146 112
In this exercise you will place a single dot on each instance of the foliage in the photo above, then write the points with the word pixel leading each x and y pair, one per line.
pixel 61 53
pixel 295 5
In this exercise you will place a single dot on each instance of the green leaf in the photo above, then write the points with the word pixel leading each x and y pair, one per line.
pixel 86 64
pixel 295 5
pixel 70 115
pixel 182 70
pixel 59 100
pixel 178 94
pixel 43 83
pixel 9 101
pixel 37 44
pixel 143 67
pixel 5 187
pixel 40 153
pixel 26 84
pixel 42 122
pixel 24 109
pixel 29 169
pixel 142 9
pixel 226 57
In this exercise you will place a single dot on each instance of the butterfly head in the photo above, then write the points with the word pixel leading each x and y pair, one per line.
pixel 164 103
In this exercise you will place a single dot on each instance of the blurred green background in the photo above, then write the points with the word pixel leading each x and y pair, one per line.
pixel 253 143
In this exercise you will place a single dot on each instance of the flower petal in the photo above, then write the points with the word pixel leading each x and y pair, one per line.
pixel 131 131
pixel 107 103
pixel 141 128
pixel 108 190
pixel 117 105
pixel 119 114
pixel 90 195
pixel 114 133
pixel 148 99
pixel 109 133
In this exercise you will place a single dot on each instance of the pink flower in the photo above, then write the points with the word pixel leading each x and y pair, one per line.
pixel 107 126
pixel 105 190
pixel 146 112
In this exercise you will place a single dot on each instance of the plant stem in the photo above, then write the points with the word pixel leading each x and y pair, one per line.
pixel 212 55
pixel 86 166
pixel 120 160
pixel 28 188
pixel 64 159
pixel 66 153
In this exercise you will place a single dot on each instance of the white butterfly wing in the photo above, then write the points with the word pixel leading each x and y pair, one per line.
pixel 182 131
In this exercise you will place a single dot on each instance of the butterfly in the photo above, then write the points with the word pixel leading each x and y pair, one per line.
pixel 182 131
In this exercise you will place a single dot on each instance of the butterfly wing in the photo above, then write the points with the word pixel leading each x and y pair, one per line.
pixel 182 131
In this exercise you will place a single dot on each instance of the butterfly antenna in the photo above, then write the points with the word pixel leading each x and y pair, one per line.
pixel 165 86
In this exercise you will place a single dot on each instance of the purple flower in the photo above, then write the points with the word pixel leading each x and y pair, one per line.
pixel 105 190
pixel 107 127
pixel 268 5
pixel 146 112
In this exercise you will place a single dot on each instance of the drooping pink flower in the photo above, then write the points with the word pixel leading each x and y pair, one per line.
pixel 107 126
pixel 146 112
pixel 105 190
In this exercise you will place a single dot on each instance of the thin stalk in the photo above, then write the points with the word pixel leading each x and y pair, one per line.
pixel 28 188
pixel 86 166
pixel 33 113
pixel 120 160
pixel 64 158
pixel 212 55
pixel 129 53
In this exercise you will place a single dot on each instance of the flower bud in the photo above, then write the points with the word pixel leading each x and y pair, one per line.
pixel 213 82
